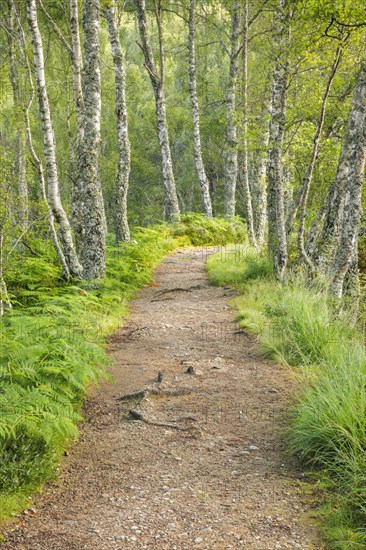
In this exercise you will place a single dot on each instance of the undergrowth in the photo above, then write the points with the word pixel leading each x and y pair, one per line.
pixel 52 345
pixel 327 431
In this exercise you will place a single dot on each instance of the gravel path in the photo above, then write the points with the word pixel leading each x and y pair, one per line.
pixel 207 468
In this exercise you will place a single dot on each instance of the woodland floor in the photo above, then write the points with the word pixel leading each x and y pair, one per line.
pixel 221 480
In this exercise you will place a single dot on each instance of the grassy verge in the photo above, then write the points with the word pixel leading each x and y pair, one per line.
pixel 327 432
pixel 52 345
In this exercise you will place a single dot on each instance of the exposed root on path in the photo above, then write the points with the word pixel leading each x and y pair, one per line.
pixel 137 414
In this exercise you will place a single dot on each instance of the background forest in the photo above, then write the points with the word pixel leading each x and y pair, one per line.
pixel 221 121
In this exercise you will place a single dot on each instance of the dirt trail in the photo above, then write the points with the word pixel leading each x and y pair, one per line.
pixel 223 482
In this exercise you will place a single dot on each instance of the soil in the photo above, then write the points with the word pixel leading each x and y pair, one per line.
pixel 205 468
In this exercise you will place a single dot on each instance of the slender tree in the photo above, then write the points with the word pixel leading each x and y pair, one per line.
pixel 157 80
pixel 277 243
pixel 124 163
pixel 305 185
pixel 200 167
pixel 231 164
pixel 94 215
pixel 244 156
pixel 54 198
pixel 77 75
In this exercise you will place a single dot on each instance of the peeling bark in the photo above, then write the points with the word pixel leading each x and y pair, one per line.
pixel 54 198
pixel 353 175
pixel 200 167
pixel 77 73
pixel 51 221
pixel 277 242
pixel 94 216
pixel 245 173
pixel 157 81
pixel 124 162
pixel 260 194
pixel 231 165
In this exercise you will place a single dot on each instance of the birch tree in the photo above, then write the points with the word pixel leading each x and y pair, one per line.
pixel 124 162
pixel 77 74
pixel 49 142
pixel 353 174
pixel 200 168
pixel 244 166
pixel 94 216
pixel 74 52
pixel 277 242
pixel 306 183
pixel 231 164
pixel 29 140
pixel 157 78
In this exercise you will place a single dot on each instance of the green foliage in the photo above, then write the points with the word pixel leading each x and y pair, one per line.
pixel 327 431
pixel 52 348
pixel 210 231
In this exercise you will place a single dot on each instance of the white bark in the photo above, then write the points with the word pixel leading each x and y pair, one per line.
pixel 94 217
pixel 354 155
pixel 260 193
pixel 277 242
pixel 201 172
pixel 124 163
pixel 157 81
pixel 231 165
pixel 245 172
pixel 54 198
pixel 37 160
pixel 77 74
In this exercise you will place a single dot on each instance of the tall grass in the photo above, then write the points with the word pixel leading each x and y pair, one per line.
pixel 327 430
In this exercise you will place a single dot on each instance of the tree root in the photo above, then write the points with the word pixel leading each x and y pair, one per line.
pixel 137 414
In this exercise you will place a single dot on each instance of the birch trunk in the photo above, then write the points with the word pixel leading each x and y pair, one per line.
pixel 54 198
pixel 245 173
pixel 305 186
pixel 277 242
pixel 157 81
pixel 124 163
pixel 94 216
pixel 260 219
pixel 200 167
pixel 77 72
pixel 23 204
pixel 51 222
pixel 231 165
pixel 354 156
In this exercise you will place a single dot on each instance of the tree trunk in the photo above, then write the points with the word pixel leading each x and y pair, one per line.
pixel 124 163
pixel 231 165
pixel 23 206
pixel 277 242
pixel 77 72
pixel 245 173
pixel 54 198
pixel 51 223
pixel 201 172
pixel 157 82
pixel 94 216
pixel 354 156
pixel 305 185
pixel 260 193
